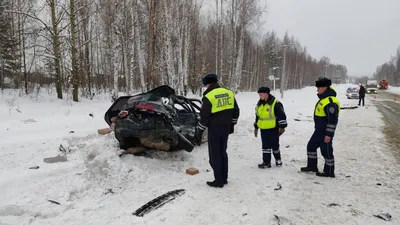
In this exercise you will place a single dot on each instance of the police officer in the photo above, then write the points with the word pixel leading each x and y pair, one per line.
pixel 271 120
pixel 219 113
pixel 326 116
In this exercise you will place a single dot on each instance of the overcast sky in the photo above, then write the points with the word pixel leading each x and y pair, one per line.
pixel 360 34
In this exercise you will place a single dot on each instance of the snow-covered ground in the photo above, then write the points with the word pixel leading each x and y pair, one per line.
pixel 367 178
pixel 394 90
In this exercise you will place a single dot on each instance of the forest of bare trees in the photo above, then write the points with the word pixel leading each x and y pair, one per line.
pixel 86 46
pixel 390 70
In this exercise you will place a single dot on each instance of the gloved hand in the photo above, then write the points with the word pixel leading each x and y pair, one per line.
pixel 232 128
pixel 281 131
pixel 197 136
pixel 255 130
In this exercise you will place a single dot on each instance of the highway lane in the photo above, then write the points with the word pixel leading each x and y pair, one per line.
pixel 389 105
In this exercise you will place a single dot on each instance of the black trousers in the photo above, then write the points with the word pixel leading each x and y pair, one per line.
pixel 317 141
pixel 217 145
pixel 359 100
pixel 270 143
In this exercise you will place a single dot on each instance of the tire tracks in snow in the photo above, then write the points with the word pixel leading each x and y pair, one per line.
pixel 390 110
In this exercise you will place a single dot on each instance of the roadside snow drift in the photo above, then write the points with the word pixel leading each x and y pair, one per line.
pixel 95 186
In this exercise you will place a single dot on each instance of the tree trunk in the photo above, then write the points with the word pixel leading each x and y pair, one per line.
pixel 74 72
pixel 139 50
pixel 56 48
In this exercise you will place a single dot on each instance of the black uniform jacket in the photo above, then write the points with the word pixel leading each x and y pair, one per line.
pixel 208 119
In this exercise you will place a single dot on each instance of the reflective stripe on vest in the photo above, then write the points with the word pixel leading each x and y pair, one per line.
pixel 319 108
pixel 266 116
pixel 221 99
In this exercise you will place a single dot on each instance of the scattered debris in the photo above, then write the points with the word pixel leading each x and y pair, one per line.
pixel 91 114
pixel 62 149
pixel 282 220
pixel 349 107
pixel 59 158
pixel 52 201
pixel 379 184
pixel 384 216
pixel 333 204
pixel 287 146
pixel 158 202
pixel 109 191
pixel 303 120
pixel 192 171
pixel 34 167
pixel 279 187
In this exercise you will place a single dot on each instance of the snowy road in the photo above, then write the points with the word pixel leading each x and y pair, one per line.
pixel 367 175
pixel 389 105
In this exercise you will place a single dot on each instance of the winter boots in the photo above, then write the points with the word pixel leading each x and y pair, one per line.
pixel 268 165
pixel 320 174
pixel 308 169
pixel 215 184
pixel 264 165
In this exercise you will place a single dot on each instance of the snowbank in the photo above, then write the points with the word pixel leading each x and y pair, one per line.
pixel 95 186
pixel 394 90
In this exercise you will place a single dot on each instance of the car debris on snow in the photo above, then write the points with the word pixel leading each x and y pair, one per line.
pixel 54 202
pixel 384 216
pixel 283 220
pixel 279 187
pixel 333 204
pixel 158 202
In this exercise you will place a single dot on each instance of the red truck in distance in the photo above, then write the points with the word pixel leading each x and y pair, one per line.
pixel 383 84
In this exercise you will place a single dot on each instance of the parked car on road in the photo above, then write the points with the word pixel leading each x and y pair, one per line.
pixel 352 93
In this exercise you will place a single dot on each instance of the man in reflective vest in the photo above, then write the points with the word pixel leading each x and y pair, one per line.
pixel 326 117
pixel 271 120
pixel 219 113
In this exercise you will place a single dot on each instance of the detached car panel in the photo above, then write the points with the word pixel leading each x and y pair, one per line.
pixel 158 119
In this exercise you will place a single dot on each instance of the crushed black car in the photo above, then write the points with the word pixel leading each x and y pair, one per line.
pixel 158 119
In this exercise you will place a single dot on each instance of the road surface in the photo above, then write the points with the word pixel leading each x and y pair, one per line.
pixel 389 105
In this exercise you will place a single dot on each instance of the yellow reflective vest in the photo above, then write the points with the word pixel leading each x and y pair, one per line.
pixel 266 115
pixel 319 108
pixel 221 99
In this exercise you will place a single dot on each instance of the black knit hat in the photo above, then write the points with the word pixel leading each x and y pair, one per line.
pixel 210 79
pixel 323 82
pixel 263 90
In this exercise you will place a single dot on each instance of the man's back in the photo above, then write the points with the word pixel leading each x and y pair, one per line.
pixel 219 107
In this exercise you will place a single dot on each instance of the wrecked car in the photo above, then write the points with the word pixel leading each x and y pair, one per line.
pixel 158 119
